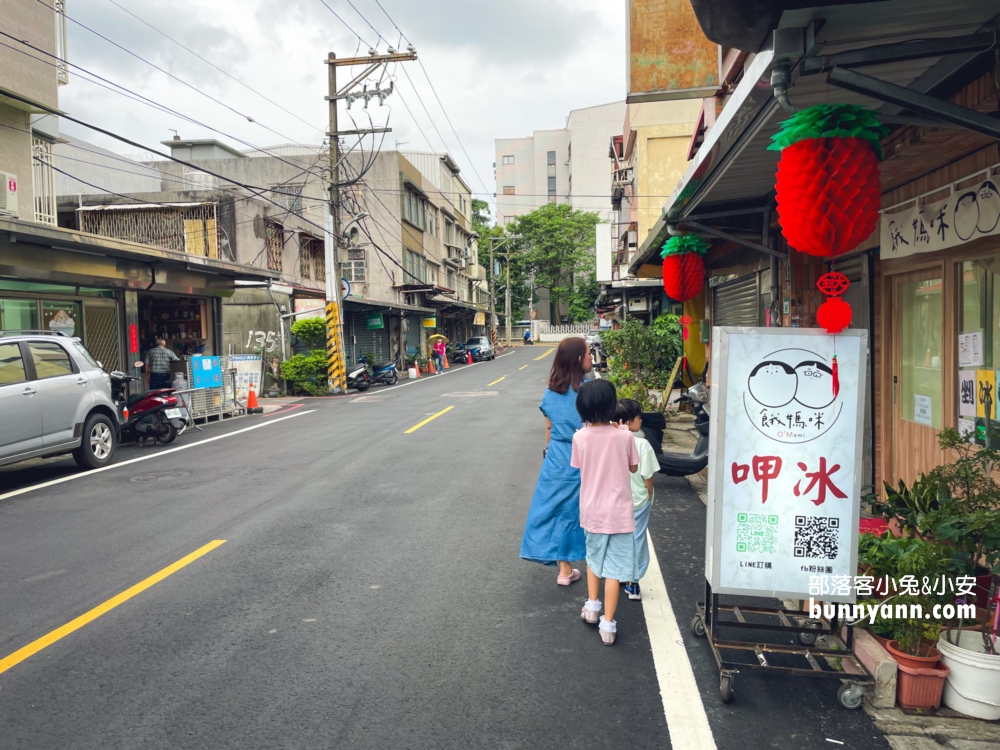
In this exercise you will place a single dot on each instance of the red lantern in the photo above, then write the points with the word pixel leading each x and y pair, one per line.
pixel 683 268
pixel 828 188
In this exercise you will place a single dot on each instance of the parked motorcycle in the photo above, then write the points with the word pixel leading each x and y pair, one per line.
pixel 384 373
pixel 681 464
pixel 155 414
pixel 358 376
pixel 598 357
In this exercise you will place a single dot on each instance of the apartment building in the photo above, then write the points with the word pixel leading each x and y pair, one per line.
pixel 567 165
pixel 54 277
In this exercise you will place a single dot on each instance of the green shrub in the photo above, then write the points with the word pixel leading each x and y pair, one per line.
pixel 311 332
pixel 306 373
pixel 641 357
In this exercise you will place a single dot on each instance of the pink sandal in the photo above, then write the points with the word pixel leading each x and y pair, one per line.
pixel 567 580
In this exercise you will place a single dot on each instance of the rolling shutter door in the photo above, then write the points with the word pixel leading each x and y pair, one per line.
pixel 737 303
pixel 369 342
pixel 412 335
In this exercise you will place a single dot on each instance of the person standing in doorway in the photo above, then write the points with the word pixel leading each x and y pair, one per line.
pixel 552 532
pixel 158 361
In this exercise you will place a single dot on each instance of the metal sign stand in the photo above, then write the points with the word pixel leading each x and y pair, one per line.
pixel 787 415
pixel 707 621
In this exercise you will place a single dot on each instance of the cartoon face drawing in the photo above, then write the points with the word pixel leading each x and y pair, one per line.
pixel 772 384
pixel 989 207
pixel 966 215
pixel 62 321
pixel 789 396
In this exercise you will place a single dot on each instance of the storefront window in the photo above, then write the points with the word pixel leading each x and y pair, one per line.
pixel 18 315
pixel 62 316
pixel 921 326
pixel 981 311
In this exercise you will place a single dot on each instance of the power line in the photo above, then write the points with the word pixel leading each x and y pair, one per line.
pixel 213 65
pixel 167 73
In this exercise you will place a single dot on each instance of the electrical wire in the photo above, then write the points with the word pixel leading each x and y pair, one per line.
pixel 165 72
pixel 213 65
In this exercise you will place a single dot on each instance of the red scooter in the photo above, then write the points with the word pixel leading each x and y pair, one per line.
pixel 156 414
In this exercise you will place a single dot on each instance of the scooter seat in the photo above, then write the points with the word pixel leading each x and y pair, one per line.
pixel 381 366
pixel 135 398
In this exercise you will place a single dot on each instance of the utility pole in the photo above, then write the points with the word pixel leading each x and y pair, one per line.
pixel 507 300
pixel 493 299
pixel 336 363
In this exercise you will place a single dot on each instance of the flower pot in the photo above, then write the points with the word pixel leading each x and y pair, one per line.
pixel 273 393
pixel 973 687
pixel 920 687
pixel 882 640
pixel 984 579
pixel 913 662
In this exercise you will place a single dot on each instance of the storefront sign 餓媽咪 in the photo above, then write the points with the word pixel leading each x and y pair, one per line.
pixel 784 487
pixel 965 215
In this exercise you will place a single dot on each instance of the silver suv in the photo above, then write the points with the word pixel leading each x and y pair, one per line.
pixel 54 398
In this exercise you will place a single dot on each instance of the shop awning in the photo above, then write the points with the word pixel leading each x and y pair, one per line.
pixel 31 250
pixel 732 174
pixel 374 304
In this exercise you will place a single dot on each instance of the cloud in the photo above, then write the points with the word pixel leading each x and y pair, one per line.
pixel 502 69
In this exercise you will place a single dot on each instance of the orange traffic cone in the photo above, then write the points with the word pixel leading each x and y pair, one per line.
pixel 445 360
pixel 430 363
pixel 252 405
pixel 468 357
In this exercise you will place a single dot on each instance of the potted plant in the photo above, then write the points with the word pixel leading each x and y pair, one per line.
pixel 422 363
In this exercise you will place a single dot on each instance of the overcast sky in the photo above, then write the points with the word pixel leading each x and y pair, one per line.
pixel 501 68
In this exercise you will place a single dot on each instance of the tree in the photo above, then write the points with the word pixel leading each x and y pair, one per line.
pixel 520 291
pixel 557 243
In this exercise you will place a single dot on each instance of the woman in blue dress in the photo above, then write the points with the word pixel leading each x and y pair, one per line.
pixel 552 533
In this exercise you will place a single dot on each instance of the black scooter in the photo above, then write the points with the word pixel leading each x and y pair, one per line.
pixel 681 464
pixel 358 377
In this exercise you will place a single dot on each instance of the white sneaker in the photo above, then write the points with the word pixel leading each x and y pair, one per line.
pixel 608 631
pixel 591 611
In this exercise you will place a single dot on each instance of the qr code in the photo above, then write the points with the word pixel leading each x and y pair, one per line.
pixel 756 532
pixel 816 537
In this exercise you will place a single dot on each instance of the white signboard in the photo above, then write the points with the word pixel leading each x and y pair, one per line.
pixel 970 349
pixel 923 410
pixel 784 460
pixel 965 215
pixel 248 370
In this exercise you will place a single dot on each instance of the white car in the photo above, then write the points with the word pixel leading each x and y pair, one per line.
pixel 54 398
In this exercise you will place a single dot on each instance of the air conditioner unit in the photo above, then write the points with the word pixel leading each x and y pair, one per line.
pixel 8 195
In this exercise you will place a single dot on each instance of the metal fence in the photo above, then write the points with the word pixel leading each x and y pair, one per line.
pixel 203 403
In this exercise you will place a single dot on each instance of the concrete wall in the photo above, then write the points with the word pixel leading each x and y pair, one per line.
pixel 591 130
pixel 104 168
pixel 15 156
pixel 520 175
pixel 33 77
pixel 250 322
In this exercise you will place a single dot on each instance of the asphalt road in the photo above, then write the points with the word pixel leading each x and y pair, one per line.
pixel 368 593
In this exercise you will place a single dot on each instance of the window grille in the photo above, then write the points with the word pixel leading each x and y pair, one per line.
pixel 44 181
pixel 62 67
pixel 274 236
pixel 184 229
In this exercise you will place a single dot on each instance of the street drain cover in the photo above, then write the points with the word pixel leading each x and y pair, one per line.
pixel 469 394
pixel 160 476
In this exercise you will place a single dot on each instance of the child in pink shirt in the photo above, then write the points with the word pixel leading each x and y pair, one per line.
pixel 605 456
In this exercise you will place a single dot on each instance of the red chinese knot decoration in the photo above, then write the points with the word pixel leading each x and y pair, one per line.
pixel 828 188
pixel 834 315
pixel 683 267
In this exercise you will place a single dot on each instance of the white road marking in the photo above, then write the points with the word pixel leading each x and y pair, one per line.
pixel 92 472
pixel 440 374
pixel 682 705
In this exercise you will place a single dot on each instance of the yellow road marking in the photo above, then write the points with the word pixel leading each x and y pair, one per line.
pixel 495 381
pixel 429 419
pixel 545 355
pixel 521 368
pixel 47 640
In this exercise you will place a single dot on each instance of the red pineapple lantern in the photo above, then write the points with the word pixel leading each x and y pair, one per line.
pixel 828 189
pixel 683 267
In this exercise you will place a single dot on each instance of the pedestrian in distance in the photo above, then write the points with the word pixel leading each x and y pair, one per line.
pixel 439 349
pixel 606 457
pixel 552 532
pixel 158 361
pixel 629 414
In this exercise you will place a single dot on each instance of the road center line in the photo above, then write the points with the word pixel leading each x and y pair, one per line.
pixel 545 355
pixel 504 377
pixel 429 419
pixel 682 705
pixel 92 472
pixel 521 368
pixel 47 640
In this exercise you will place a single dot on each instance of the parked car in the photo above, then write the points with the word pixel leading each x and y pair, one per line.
pixel 481 348
pixel 54 398
pixel 593 336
